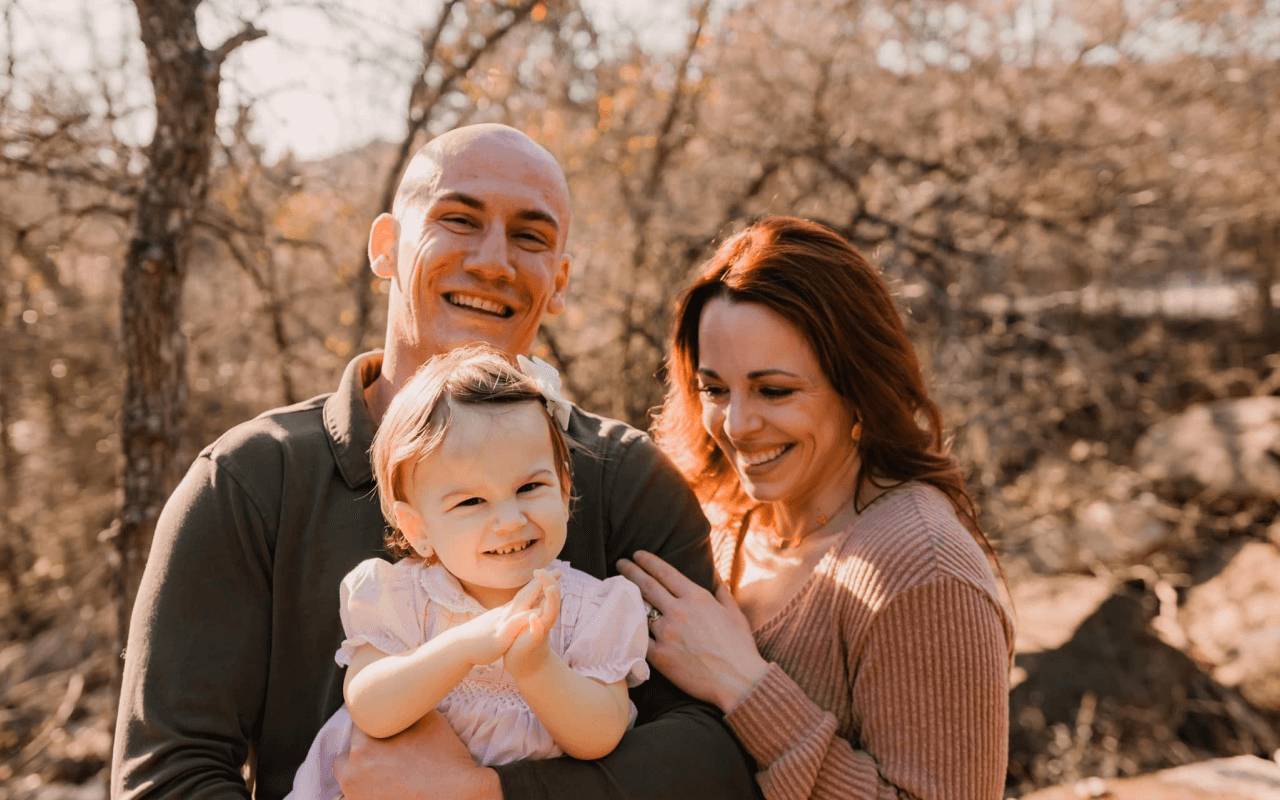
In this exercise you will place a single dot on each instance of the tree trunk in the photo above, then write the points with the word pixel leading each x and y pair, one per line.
pixel 185 77
pixel 1268 271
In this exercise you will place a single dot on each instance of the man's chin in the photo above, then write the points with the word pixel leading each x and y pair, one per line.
pixel 499 340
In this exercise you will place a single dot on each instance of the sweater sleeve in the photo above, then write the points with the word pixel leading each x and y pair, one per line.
pixel 204 604
pixel 930 692
pixel 679 747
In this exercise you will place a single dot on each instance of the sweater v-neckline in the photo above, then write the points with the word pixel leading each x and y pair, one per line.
pixel 804 588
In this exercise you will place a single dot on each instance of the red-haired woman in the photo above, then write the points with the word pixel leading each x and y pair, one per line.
pixel 858 645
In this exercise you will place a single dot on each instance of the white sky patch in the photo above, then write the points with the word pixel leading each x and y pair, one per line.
pixel 334 74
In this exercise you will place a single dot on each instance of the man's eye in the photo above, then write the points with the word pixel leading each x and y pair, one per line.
pixel 458 220
pixel 531 240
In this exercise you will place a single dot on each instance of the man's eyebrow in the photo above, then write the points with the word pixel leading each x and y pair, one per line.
pixel 533 215
pixel 528 214
pixel 464 199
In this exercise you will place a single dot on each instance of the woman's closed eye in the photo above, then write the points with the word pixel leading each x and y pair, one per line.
pixel 776 392
pixel 712 392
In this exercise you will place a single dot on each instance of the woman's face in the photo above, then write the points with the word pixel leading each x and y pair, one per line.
pixel 770 408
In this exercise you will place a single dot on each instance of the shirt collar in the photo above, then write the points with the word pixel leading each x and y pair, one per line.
pixel 347 420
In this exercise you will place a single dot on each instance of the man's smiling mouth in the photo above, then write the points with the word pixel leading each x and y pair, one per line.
pixel 473 303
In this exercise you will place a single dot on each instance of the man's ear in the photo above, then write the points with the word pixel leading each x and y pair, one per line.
pixel 556 302
pixel 384 239
pixel 410 524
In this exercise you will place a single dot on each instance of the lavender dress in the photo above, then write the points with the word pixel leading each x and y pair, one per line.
pixel 601 633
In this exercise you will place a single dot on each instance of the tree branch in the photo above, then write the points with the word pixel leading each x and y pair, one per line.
pixel 249 33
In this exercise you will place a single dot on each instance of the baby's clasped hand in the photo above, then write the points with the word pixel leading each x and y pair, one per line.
pixel 529 652
pixel 490 636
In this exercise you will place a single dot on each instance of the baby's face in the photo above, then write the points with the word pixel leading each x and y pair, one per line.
pixel 490 499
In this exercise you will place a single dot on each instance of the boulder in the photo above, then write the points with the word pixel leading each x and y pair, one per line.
pixel 1116 533
pixel 1229 448
pixel 1118 701
pixel 1050 608
pixel 1238 778
pixel 1233 622
pixel 1119 532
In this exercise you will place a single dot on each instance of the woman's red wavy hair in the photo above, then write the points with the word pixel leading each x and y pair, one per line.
pixel 815 279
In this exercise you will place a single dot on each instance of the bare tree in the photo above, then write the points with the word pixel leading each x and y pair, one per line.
pixel 185 76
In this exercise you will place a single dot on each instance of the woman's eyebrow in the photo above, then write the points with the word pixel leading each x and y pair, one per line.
pixel 755 375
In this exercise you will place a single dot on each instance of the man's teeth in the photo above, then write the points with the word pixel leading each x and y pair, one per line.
pixel 515 548
pixel 478 303
pixel 763 456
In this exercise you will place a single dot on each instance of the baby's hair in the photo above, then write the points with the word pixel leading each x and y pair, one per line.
pixel 418 419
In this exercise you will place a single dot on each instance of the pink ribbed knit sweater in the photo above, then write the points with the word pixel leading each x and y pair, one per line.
pixel 889 668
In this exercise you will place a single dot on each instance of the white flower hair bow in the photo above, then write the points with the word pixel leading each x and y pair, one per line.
pixel 545 377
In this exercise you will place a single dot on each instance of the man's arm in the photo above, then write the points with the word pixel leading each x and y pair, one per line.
pixel 680 747
pixel 196 664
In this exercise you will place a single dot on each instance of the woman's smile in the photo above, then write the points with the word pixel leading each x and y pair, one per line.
pixel 758 461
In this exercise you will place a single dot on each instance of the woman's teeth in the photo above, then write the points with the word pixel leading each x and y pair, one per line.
pixel 763 457
pixel 515 548
pixel 478 303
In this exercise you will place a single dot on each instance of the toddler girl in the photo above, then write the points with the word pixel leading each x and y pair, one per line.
pixel 525 656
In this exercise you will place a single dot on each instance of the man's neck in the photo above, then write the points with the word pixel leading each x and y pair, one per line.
pixel 397 367
pixel 377 396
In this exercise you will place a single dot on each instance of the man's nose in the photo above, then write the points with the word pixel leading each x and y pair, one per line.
pixel 490 260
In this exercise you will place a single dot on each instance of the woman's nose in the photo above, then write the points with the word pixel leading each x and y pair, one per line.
pixel 740 419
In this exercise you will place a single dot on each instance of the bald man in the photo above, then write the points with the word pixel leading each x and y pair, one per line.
pixel 230 654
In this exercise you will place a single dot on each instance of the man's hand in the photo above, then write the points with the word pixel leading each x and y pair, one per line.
pixel 426 762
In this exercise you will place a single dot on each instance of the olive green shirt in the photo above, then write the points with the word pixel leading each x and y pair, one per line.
pixel 230 652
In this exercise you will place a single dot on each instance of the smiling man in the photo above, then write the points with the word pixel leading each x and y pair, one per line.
pixel 230 656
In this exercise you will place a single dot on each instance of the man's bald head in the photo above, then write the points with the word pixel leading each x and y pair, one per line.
pixel 500 149
pixel 474 248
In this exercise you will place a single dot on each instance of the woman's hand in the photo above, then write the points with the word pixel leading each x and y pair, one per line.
pixel 532 646
pixel 702 643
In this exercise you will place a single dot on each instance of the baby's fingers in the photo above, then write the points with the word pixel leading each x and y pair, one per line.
pixel 550 610
pixel 527 596
pixel 513 627
pixel 536 629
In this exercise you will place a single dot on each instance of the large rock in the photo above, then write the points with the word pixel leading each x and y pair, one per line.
pixel 1233 622
pixel 1239 778
pixel 1118 701
pixel 1050 608
pixel 1119 532
pixel 1229 448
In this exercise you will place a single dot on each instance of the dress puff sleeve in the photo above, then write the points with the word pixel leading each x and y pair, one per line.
pixel 611 636
pixel 377 608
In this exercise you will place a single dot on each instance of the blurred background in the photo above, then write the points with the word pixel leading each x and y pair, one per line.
pixel 1074 200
